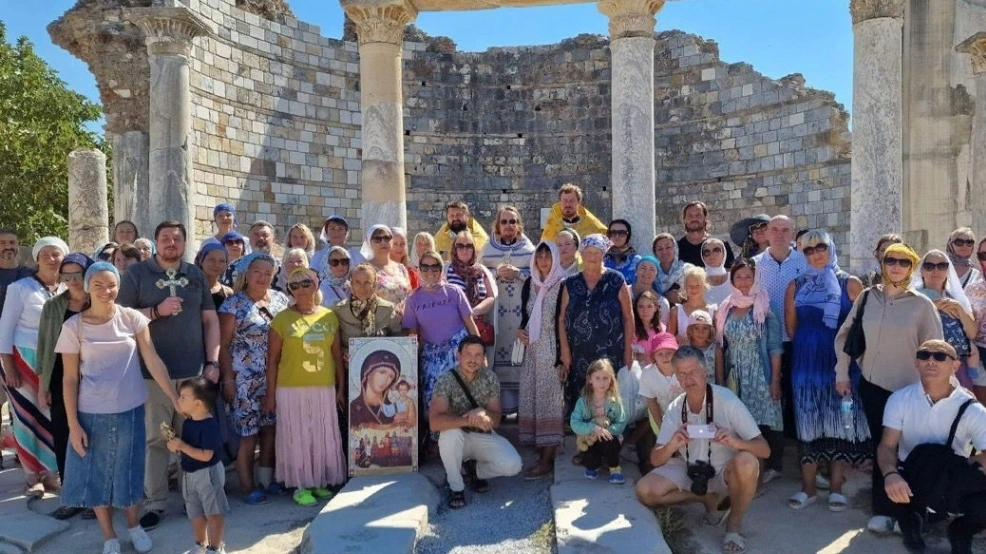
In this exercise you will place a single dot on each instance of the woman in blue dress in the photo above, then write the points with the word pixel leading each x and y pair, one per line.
pixel 815 307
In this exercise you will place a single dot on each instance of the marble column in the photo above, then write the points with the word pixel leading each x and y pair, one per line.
pixel 877 137
pixel 88 215
pixel 975 46
pixel 130 186
pixel 380 31
pixel 168 35
pixel 631 31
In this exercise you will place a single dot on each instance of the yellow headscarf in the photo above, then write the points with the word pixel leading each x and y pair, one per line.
pixel 901 251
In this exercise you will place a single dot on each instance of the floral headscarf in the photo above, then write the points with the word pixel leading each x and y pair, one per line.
pixel 596 240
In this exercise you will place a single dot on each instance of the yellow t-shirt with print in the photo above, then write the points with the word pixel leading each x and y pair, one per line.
pixel 306 348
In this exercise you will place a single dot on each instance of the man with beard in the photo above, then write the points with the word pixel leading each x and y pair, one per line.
pixel 695 216
pixel 185 331
pixel 569 213
pixel 9 270
pixel 457 219
pixel 262 239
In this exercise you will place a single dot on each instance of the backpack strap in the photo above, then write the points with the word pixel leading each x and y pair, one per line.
pixel 465 389
pixel 955 423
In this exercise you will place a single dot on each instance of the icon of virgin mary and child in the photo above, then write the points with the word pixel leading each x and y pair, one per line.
pixel 384 401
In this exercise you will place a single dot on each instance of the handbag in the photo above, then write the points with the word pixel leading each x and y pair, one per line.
pixel 486 330
pixel 855 344
pixel 517 353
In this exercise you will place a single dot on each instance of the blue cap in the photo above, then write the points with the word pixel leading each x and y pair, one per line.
pixel 96 268
pixel 78 258
pixel 232 236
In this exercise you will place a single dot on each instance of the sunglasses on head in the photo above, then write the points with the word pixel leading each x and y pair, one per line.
pixel 925 355
pixel 464 247
pixel 303 284
pixel 342 261
pixel 820 247
pixel 963 242
pixel 73 276
pixel 508 222
pixel 898 262
pixel 713 250
pixel 381 238
pixel 617 232
pixel 425 268
pixel 932 266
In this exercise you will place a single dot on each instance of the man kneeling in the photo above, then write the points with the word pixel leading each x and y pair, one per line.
pixel 465 410
pixel 709 447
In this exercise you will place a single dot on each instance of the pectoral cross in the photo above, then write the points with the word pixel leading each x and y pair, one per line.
pixel 172 281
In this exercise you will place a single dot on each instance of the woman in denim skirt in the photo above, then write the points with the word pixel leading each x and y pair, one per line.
pixel 104 401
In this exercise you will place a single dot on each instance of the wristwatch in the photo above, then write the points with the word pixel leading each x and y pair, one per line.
pixel 212 363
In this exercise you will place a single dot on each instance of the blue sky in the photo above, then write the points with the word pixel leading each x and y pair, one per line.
pixel 778 37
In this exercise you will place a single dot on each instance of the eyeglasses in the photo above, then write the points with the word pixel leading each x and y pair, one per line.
pixel 964 242
pixel 758 227
pixel 464 247
pixel 381 239
pixel 508 222
pixel 617 232
pixel 304 284
pixel 73 276
pixel 925 355
pixel 820 247
pixel 342 261
pixel 425 268
pixel 981 256
pixel 898 262
pixel 713 250
pixel 931 266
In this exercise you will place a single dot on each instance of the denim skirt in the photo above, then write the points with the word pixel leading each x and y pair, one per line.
pixel 112 471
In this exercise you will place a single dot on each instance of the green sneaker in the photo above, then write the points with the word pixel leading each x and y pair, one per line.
pixel 303 497
pixel 322 492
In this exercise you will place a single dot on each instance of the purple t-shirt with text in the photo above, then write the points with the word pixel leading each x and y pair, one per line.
pixel 436 314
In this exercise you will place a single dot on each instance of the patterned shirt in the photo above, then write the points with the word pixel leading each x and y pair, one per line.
pixel 484 388
pixel 248 349
pixel 976 292
pixel 774 277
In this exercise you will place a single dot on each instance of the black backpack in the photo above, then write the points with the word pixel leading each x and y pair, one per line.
pixel 939 477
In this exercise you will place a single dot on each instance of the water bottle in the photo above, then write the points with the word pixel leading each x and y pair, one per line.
pixel 846 412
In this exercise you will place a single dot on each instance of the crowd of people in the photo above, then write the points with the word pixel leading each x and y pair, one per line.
pixel 118 364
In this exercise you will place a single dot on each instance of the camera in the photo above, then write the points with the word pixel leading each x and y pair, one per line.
pixel 700 472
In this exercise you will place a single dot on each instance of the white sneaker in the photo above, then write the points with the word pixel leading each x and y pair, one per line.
pixel 821 482
pixel 770 475
pixel 881 525
pixel 197 549
pixel 142 543
pixel 220 550
pixel 111 546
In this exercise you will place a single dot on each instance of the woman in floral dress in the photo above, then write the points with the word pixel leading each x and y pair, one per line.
pixel 393 281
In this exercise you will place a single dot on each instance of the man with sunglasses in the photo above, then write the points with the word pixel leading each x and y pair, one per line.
pixel 10 269
pixel 695 218
pixel 923 413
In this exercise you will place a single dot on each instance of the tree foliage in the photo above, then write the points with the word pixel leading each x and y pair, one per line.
pixel 41 121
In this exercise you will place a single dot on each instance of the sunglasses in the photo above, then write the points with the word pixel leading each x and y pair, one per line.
pixel 381 239
pixel 931 266
pixel 304 284
pixel 713 250
pixel 963 242
pixel 617 232
pixel 758 227
pixel 68 277
pixel 898 262
pixel 820 247
pixel 335 263
pixel 925 355
pixel 464 247
pixel 508 222
pixel 425 268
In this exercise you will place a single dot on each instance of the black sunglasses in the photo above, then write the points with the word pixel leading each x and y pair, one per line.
pixel 925 355
pixel 897 261
pixel 618 232
pixel 343 261
pixel 304 284
pixel 963 242
pixel 820 247
pixel 713 250
pixel 425 268
pixel 464 247
pixel 931 266
pixel 508 222
pixel 381 239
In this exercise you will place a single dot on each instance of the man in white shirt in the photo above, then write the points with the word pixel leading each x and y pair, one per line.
pixel 923 413
pixel 730 460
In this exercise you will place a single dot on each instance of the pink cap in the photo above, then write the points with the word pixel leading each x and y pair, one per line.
pixel 663 340
pixel 699 317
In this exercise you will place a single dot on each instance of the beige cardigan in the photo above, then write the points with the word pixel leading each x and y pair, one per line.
pixel 894 330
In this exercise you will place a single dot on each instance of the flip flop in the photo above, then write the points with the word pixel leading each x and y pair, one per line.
pixel 733 543
pixel 838 502
pixel 800 501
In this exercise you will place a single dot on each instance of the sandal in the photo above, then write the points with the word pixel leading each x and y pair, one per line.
pixel 837 502
pixel 65 512
pixel 800 501
pixel 537 472
pixel 733 543
pixel 304 497
pixel 457 500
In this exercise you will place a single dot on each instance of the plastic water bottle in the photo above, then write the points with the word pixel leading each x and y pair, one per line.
pixel 846 411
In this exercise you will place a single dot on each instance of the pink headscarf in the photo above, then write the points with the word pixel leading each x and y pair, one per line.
pixel 757 298
pixel 554 277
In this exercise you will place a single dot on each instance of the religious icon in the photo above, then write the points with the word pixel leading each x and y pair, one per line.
pixel 383 412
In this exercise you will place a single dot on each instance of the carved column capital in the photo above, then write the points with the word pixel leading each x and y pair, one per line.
pixel 168 30
pixel 381 22
pixel 975 46
pixel 631 18
pixel 864 10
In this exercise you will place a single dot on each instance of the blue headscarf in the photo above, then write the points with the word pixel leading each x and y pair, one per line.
pixel 651 259
pixel 204 251
pixel 96 268
pixel 224 207
pixel 821 287
pixel 241 266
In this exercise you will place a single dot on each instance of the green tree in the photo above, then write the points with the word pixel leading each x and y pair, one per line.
pixel 41 121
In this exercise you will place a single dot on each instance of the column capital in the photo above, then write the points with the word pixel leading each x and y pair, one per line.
pixel 168 30
pixel 382 21
pixel 864 10
pixel 975 46
pixel 631 18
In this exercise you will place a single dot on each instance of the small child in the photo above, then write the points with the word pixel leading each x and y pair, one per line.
pixel 598 421
pixel 701 335
pixel 658 383
pixel 200 446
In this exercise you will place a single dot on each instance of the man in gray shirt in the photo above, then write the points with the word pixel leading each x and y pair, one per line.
pixel 185 331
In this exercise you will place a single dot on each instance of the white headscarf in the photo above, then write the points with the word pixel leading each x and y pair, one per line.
pixel 413 249
pixel 555 276
pixel 713 271
pixel 953 285
pixel 48 241
pixel 366 250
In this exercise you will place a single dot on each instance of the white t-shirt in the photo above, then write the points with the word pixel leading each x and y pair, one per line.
pixel 656 385
pixel 728 413
pixel 920 422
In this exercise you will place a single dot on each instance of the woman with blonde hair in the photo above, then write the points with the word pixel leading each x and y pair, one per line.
pixel 961 251
pixel 423 242
pixel 293 259
pixel 399 254
pixel 300 236
pixel 393 280
pixel 692 295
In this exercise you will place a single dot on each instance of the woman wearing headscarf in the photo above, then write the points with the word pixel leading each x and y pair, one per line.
pixel 364 314
pixel 714 257
pixel 19 325
pixel 646 279
pixel 465 272
pixel 423 242
pixel 335 285
pixel 621 256
pixel 896 320
pixel 373 407
pixel 670 269
pixel 960 249
pixel 568 241
pixel 50 396
pixel 595 319
pixel 224 217
pixel 399 254
pixel 393 281
pixel 237 246
pixel 541 400
pixel 212 260
pixel 750 362
pixel 938 281
pixel 816 303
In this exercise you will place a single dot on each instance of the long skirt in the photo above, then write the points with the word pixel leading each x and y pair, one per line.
pixel 307 442
pixel 436 360
pixel 112 471
pixel 32 425
pixel 542 401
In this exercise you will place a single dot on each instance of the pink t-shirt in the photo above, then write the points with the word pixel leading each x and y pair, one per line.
pixel 645 347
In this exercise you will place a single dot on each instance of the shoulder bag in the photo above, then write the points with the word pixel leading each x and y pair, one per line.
pixel 855 344
pixel 472 402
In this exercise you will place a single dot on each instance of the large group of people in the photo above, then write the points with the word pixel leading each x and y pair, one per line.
pixel 707 361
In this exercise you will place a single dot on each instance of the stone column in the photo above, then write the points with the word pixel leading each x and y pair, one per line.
pixel 631 45
pixel 168 34
pixel 130 186
pixel 877 136
pixel 975 46
pixel 88 215
pixel 380 30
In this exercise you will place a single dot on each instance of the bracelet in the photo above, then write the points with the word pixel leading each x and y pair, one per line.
pixel 889 473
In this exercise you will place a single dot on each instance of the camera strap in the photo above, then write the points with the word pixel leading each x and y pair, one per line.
pixel 709 413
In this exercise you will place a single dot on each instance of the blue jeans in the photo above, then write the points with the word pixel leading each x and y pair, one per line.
pixel 112 471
